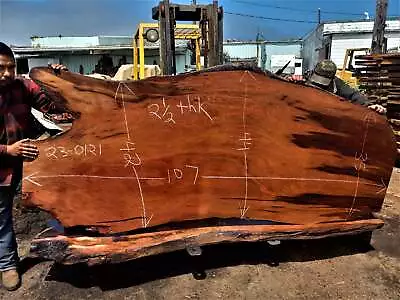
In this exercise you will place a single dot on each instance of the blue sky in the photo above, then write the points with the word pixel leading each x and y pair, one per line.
pixel 21 19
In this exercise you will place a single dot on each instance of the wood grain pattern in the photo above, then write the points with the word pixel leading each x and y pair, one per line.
pixel 236 145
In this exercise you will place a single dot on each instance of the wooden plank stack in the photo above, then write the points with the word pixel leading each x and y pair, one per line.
pixel 379 78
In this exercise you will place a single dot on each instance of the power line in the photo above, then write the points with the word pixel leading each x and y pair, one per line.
pixel 297 9
pixel 268 18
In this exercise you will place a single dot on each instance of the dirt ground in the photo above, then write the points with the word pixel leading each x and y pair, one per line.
pixel 334 268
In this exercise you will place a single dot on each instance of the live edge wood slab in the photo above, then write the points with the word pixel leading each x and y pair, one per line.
pixel 231 154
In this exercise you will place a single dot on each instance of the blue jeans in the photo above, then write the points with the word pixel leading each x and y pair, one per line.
pixel 8 244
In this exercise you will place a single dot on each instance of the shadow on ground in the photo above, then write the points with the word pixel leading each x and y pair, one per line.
pixel 123 275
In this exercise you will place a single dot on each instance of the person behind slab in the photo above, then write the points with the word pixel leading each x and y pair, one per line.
pixel 17 97
pixel 324 77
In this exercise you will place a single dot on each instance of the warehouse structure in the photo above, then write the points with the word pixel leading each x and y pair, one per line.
pixel 330 40
pixel 326 41
pixel 268 55
pixel 87 54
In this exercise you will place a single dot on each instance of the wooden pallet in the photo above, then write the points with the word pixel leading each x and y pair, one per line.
pixel 379 77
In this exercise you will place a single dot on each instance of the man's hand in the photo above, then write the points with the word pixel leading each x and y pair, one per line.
pixel 23 148
pixel 295 78
pixel 62 118
pixel 378 108
pixel 58 67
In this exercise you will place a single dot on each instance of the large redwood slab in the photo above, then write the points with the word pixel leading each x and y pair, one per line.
pixel 190 151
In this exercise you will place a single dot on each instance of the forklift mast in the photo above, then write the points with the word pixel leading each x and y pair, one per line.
pixel 210 18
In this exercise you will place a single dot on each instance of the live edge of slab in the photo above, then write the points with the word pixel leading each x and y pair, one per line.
pixel 114 249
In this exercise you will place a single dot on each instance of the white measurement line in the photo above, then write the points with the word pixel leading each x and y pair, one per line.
pixel 290 179
pixel 145 221
pixel 125 117
pixel 355 195
pixel 116 93
pixel 93 176
pixel 244 109
pixel 129 89
pixel 245 208
pixel 31 178
pixel 362 159
pixel 123 107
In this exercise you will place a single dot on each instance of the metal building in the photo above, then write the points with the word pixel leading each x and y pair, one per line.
pixel 268 55
pixel 280 52
pixel 330 40
pixel 84 53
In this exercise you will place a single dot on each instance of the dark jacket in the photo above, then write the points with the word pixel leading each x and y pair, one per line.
pixel 16 102
pixel 342 89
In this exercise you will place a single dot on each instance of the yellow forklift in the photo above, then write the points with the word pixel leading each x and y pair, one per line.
pixel 150 33
pixel 346 72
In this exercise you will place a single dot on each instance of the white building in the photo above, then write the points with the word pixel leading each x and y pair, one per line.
pixel 268 55
pixel 330 40
pixel 84 53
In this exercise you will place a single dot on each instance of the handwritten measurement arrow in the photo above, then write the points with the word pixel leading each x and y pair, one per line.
pixel 244 78
pixel 243 211
pixel 247 74
pixel 146 221
pixel 360 161
pixel 383 185
pixel 32 178
pixel 370 118
pixel 123 108
pixel 380 185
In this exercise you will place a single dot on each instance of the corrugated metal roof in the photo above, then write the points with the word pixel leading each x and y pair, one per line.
pixel 80 41
pixel 241 50
pixel 61 49
pixel 180 46
pixel 237 42
pixel 361 26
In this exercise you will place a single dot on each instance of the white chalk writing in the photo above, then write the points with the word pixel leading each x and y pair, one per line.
pixel 177 174
pixel 165 113
pixel 131 157
pixel 197 172
pixel 190 107
pixel 85 150
pixel 360 160
pixel 246 142
pixel 161 113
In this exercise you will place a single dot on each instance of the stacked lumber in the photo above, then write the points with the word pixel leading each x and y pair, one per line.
pixel 379 77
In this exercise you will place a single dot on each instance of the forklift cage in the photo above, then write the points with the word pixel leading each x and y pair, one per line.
pixel 182 32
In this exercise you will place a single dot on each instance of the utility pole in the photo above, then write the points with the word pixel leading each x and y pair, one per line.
pixel 167 39
pixel 378 35
pixel 258 46
pixel 193 43
pixel 319 16
pixel 194 3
